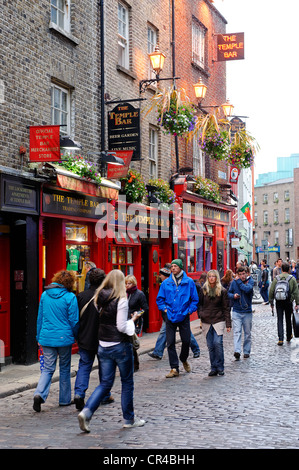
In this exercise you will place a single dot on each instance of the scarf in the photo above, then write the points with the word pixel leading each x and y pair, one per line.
pixel 178 278
pixel 130 290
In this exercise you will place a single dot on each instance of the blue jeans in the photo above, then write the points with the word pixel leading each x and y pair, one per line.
pixel 50 359
pixel 82 378
pixel 265 292
pixel 161 342
pixel 85 365
pixel 215 346
pixel 242 321
pixel 120 355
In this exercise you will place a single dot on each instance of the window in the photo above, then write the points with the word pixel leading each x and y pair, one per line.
pixel 153 153
pixel 287 215
pixel 198 159
pixel 60 14
pixel 198 43
pixel 275 216
pixel 265 198
pixel 265 217
pixel 60 108
pixel 123 36
pixel 255 218
pixel 275 197
pixel 287 195
pixel 276 237
pixel 151 44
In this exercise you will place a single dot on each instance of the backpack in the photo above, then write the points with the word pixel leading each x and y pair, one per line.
pixel 282 288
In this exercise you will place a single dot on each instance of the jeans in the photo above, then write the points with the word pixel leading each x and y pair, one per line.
pixel 185 334
pixel 284 307
pixel 120 355
pixel 242 321
pixel 215 346
pixel 50 359
pixel 161 342
pixel 265 292
pixel 85 365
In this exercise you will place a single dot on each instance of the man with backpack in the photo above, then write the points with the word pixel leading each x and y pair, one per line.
pixel 284 290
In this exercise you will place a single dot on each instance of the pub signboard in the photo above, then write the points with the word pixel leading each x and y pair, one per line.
pixel 124 129
pixel 230 46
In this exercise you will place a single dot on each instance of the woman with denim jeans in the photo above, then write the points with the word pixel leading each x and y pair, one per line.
pixel 115 350
pixel 214 311
pixel 57 328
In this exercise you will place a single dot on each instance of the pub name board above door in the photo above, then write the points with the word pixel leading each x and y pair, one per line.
pixel 124 129
pixel 230 46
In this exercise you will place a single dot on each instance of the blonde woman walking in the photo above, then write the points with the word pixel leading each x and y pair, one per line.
pixel 115 349
pixel 214 312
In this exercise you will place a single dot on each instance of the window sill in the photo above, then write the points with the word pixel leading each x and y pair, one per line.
pixel 66 34
pixel 202 70
pixel 127 72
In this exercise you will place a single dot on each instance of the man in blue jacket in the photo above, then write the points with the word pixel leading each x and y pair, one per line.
pixel 178 298
pixel 241 293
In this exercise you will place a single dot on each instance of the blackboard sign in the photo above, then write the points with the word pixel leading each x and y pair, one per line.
pixel 124 129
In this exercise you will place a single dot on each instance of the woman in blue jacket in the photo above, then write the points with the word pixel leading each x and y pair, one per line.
pixel 57 328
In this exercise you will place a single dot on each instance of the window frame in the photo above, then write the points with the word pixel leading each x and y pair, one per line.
pixel 198 43
pixel 123 36
pixel 64 130
pixel 153 151
pixel 64 10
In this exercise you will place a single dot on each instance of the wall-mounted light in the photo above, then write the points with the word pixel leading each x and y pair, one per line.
pixel 67 143
pixel 200 89
pixel 157 59
pixel 227 108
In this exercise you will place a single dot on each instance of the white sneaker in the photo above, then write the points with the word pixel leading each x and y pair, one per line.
pixel 137 423
pixel 83 422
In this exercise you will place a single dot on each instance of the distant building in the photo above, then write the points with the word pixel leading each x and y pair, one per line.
pixel 274 220
pixel 285 168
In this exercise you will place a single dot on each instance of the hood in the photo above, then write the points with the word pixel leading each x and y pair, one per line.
pixel 55 290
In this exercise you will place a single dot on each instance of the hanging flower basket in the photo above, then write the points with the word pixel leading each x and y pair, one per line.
pixel 162 191
pixel 81 167
pixel 176 114
pixel 207 189
pixel 216 144
pixel 241 156
pixel 133 186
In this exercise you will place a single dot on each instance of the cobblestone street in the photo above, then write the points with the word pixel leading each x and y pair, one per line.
pixel 253 406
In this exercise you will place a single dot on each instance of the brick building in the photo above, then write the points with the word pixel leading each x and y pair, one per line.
pixel 51 74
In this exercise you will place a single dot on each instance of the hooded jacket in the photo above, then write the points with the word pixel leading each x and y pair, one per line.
pixel 179 300
pixel 245 290
pixel 58 317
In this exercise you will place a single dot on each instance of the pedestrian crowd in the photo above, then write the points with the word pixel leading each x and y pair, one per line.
pixel 107 316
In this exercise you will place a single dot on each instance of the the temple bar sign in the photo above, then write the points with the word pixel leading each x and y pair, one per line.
pixel 230 46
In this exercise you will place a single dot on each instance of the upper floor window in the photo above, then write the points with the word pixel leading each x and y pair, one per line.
pixel 123 35
pixel 198 43
pixel 287 195
pixel 153 153
pixel 198 159
pixel 60 108
pixel 275 197
pixel 60 14
pixel 265 198
pixel 152 40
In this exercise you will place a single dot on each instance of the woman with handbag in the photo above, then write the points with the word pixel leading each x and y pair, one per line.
pixel 115 349
pixel 137 301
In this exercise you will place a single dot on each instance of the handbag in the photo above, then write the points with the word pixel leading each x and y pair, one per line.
pixel 135 341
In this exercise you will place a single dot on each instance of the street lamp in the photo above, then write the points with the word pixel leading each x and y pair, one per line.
pixel 157 59
pixel 200 89
pixel 227 108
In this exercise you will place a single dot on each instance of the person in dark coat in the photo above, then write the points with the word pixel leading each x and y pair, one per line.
pixel 88 336
pixel 137 301
pixel 215 316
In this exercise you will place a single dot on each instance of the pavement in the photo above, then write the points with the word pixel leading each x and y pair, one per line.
pixel 16 378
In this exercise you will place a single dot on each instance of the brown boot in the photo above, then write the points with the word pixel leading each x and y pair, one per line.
pixel 172 373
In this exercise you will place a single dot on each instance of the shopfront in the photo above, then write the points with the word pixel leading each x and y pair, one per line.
pixel 202 244
pixel 19 210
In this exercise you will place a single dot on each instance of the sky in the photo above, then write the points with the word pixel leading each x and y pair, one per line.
pixel 265 85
